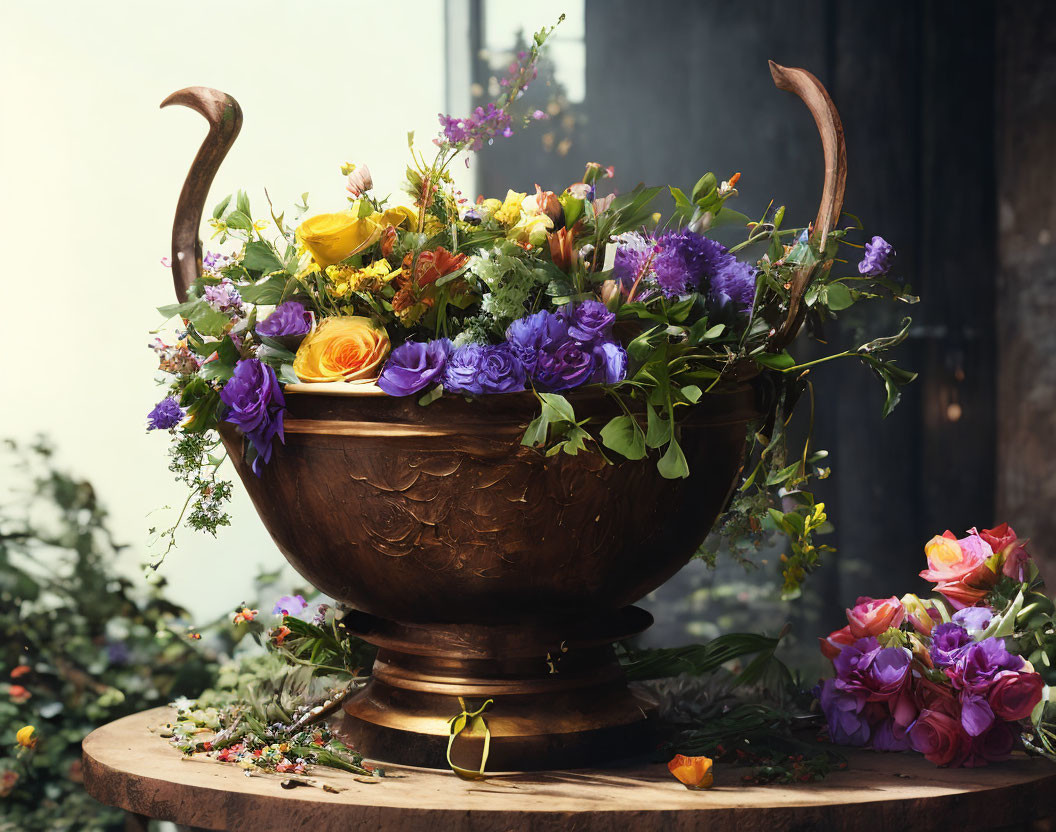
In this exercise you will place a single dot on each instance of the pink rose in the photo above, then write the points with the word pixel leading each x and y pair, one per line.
pixel 873 616
pixel 938 737
pixel 837 640
pixel 959 568
pixel 1014 693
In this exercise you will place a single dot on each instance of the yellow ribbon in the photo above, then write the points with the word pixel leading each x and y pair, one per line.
pixel 469 721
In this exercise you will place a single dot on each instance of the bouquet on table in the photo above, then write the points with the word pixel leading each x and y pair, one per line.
pixel 543 292
pixel 960 677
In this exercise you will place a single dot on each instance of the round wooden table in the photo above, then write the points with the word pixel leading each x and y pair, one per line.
pixel 128 765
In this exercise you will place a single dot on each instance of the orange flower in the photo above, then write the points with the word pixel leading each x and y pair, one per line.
pixel 342 349
pixel 8 779
pixel 388 241
pixel 20 671
pixel 692 772
pixel 561 246
pixel 18 694
pixel 432 265
pixel 278 635
pixel 244 615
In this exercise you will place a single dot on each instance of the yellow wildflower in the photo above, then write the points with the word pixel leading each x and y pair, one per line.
pixel 510 211
pixel 27 737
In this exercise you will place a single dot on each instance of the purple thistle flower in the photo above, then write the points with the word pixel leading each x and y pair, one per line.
pixel 734 282
pixel 878 256
pixel 166 415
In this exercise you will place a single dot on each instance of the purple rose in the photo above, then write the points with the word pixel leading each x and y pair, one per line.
pixel 413 366
pixel 567 366
pixel 527 336
pixel 255 405
pixel 588 322
pixel 290 318
pixel 843 713
pixel 878 256
pixel 476 369
pixel 612 363
pixel 948 640
pixel 166 415
pixel 881 673
pixel 974 619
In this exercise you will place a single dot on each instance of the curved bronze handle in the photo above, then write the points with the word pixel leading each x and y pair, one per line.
pixel 225 120
pixel 814 95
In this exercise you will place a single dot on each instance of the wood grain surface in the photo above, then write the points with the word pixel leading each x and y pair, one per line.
pixel 127 764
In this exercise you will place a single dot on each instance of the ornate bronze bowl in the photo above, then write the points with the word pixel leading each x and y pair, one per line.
pixel 481 569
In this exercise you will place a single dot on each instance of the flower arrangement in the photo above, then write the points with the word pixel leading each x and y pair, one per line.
pixel 955 677
pixel 534 294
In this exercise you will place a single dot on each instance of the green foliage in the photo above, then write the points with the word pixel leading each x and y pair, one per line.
pixel 84 644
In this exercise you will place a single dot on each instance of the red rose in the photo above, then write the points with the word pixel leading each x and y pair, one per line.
pixel 938 737
pixel 1014 694
pixel 873 616
pixel 1011 551
pixel 932 696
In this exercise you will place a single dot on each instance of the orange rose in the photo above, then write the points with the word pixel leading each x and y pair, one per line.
pixel 342 349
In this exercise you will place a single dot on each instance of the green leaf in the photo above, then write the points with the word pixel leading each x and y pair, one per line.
pixel 624 435
pixel 277 349
pixel 221 206
pixel 838 296
pixel 700 331
pixel 658 429
pixel 207 320
pixel 890 341
pixel 576 441
pixel 267 292
pixel 260 257
pixel 672 464
pixel 431 395
pixel 560 406
pixel 171 310
pixel 216 370
pixel 775 361
pixel 243 204
pixel 691 393
pixel 237 219
pixel 287 375
pixel 779 476
pixel 535 433
pixel 705 185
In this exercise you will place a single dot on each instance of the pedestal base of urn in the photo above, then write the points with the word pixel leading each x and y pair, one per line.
pixel 559 696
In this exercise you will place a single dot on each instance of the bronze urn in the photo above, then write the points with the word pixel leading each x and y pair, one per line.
pixel 481 569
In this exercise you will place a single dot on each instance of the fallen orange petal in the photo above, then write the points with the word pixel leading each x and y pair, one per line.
pixel 692 772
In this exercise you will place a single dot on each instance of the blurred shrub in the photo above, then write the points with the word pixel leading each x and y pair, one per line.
pixel 79 644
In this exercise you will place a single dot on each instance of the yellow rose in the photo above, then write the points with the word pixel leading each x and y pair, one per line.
pixel 510 211
pixel 342 349
pixel 531 229
pixel 26 736
pixel 396 217
pixel 332 237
